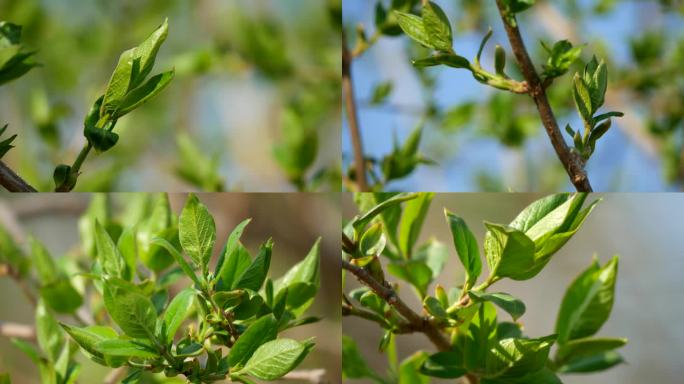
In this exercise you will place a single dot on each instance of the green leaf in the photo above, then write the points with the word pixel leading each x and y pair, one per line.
pixel 509 252
pixel 231 246
pixel 197 232
pixel 254 276
pixel 275 358
pixel 179 308
pixel 516 6
pixel 110 258
pixel 435 255
pixel 381 92
pixel 6 145
pixel 587 347
pixel 409 369
pixel 415 272
pixel 61 296
pixel 448 59
pixel 587 302
pixel 191 349
pixel 561 56
pixel 145 54
pixel 48 332
pixel 119 83
pixel 360 222
pixel 304 280
pixel 43 262
pixel 582 98
pixel 479 337
pixel 593 363
pixel 354 365
pixel 100 138
pixel 515 358
pixel 261 331
pixel 88 337
pixel 514 307
pixel 466 247
pixel 434 307
pixel 28 349
pixel 372 241
pixel 143 94
pixel 414 28
pixel 445 365
pixel 537 210
pixel 127 348
pixel 179 259
pixel 130 308
pixel 411 222
pixel 437 27
pixel 235 264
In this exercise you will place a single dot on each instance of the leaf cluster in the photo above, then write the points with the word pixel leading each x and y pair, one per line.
pixel 481 345
pixel 224 325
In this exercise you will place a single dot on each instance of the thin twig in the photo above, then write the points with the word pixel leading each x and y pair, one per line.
pixel 314 376
pixel 16 330
pixel 571 162
pixel 352 117
pixel 13 182
pixel 383 290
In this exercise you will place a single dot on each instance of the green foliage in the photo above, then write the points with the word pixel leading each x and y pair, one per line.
pixel 589 93
pixel 14 60
pixel 561 56
pixel 126 91
pixel 6 144
pixel 223 318
pixel 481 345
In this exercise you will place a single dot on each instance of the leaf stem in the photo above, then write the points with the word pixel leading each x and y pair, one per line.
pixel 572 163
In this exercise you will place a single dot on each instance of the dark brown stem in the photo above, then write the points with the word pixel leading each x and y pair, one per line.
pixel 385 292
pixel 572 163
pixel 352 117
pixel 13 182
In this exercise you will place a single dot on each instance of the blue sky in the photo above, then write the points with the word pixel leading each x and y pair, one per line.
pixel 616 165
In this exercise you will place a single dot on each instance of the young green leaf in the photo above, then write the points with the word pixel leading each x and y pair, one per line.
pixel 141 95
pixel 231 245
pixel 586 347
pixel 434 307
pixel 197 232
pixel 514 307
pixel 127 348
pixel 178 310
pixel 254 276
pixel 88 337
pixel 466 247
pixel 261 331
pixel 187 269
pixel 414 28
pixel 372 241
pixel 110 258
pixel 45 266
pixel 145 54
pixel 412 221
pixel 587 302
pixel 409 369
pixel 593 363
pixel 509 252
pixel 354 365
pixel 275 358
pixel 516 358
pixel 445 365
pixel 234 265
pixel 437 27
pixel 119 84
pixel 362 221
pixel 130 308
pixel 48 332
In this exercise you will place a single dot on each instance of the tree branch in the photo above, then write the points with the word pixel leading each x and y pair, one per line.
pixel 16 330
pixel 352 117
pixel 314 376
pixel 13 182
pixel 572 163
pixel 382 289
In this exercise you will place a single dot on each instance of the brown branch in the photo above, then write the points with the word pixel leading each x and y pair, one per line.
pixel 314 376
pixel 572 163
pixel 352 117
pixel 385 292
pixel 18 331
pixel 13 182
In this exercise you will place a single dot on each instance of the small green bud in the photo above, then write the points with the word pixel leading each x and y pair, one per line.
pixel 442 296
pixel 499 60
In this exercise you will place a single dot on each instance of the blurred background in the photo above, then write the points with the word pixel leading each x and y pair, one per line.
pixel 485 139
pixel 294 221
pixel 643 229
pixel 252 78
